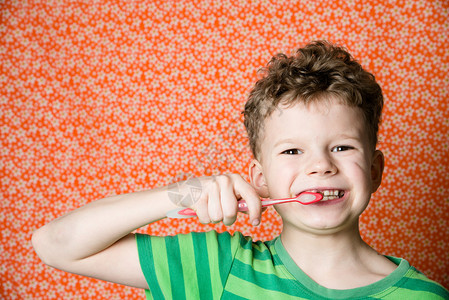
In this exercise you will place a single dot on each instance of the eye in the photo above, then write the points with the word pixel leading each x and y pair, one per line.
pixel 341 148
pixel 291 152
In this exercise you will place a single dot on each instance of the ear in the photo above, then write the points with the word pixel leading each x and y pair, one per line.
pixel 257 179
pixel 377 169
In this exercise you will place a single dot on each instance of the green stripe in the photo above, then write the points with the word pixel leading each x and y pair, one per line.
pixel 175 268
pixel 202 265
pixel 148 295
pixel 249 290
pixel 270 280
pixel 261 260
pixel 162 271
pixel 421 284
pixel 188 266
pixel 214 265
pixel 229 295
pixel 259 250
pixel 402 293
pixel 146 262
pixel 226 251
pixel 264 266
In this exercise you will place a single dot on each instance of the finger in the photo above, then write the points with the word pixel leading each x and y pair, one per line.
pixel 244 190
pixel 214 203
pixel 228 201
pixel 201 209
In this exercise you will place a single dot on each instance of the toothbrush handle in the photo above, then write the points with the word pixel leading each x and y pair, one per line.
pixel 189 213
pixel 242 206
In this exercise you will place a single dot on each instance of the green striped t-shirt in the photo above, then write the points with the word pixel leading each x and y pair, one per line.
pixel 222 266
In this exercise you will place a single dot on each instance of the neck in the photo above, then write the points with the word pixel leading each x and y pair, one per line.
pixel 324 257
pixel 329 248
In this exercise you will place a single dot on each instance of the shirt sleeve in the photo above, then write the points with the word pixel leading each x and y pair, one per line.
pixel 187 266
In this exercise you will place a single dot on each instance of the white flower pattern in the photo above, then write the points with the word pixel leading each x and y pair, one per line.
pixel 111 97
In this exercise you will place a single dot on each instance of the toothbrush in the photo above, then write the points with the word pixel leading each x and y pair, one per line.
pixel 304 198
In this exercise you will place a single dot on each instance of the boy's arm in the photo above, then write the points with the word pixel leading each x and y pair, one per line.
pixel 96 241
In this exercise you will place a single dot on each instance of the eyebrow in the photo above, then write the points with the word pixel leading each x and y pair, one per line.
pixel 348 137
pixel 294 141
pixel 284 141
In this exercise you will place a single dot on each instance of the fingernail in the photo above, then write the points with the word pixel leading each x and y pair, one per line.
pixel 256 222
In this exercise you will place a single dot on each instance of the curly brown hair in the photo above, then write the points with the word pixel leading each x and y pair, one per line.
pixel 317 71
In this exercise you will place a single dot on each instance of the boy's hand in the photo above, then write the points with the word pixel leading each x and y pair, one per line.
pixel 214 198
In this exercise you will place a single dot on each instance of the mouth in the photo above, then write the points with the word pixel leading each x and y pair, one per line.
pixel 329 194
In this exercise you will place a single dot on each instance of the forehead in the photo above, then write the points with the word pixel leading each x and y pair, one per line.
pixel 318 119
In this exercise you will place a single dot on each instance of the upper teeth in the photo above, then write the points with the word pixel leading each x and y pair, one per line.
pixel 331 194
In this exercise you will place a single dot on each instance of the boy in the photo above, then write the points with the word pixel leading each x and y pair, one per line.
pixel 312 122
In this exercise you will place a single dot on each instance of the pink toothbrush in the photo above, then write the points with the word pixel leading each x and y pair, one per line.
pixel 304 198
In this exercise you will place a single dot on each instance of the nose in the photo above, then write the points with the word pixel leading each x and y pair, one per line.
pixel 321 164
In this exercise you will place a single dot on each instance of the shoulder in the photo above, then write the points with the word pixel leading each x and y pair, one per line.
pixel 415 284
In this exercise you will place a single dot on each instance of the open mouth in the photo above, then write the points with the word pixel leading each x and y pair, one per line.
pixel 329 194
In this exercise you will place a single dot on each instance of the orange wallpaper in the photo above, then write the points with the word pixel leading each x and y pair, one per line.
pixel 105 97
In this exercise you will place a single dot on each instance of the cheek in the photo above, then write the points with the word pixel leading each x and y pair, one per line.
pixel 285 168
pixel 360 173
pixel 281 177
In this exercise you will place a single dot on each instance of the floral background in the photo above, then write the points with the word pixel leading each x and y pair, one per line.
pixel 106 97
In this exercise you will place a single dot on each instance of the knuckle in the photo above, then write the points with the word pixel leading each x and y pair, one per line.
pixel 216 217
pixel 212 186
pixel 223 179
pixel 233 175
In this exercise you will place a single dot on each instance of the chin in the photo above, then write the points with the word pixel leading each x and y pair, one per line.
pixel 323 226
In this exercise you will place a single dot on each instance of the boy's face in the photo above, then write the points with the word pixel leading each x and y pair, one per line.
pixel 325 147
